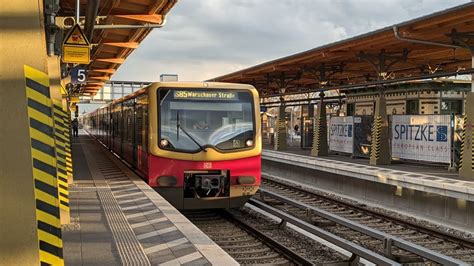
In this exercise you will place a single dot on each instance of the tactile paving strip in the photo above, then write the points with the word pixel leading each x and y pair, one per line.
pixel 129 249
pixel 159 240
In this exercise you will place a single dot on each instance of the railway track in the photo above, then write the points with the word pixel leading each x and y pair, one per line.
pixel 383 234
pixel 253 241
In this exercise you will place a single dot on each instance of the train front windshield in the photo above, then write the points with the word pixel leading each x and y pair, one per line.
pixel 192 120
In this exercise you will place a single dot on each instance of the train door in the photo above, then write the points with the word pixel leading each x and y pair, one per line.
pixel 141 136
pixel 128 131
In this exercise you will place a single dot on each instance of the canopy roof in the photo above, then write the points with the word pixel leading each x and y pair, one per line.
pixel 374 56
pixel 111 47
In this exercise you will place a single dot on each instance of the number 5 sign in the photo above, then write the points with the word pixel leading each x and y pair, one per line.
pixel 78 75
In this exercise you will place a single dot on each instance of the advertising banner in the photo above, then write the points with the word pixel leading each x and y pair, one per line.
pixel 422 137
pixel 363 135
pixel 341 134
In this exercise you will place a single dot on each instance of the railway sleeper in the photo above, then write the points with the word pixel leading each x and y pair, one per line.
pixel 235 253
pixel 460 252
pixel 259 259
pixel 230 242
pixel 249 245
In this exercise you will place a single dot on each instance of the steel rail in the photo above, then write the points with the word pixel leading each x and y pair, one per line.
pixel 387 239
pixel 465 242
pixel 286 252
pixel 341 242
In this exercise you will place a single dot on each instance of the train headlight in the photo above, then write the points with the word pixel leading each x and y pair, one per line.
pixel 249 143
pixel 164 143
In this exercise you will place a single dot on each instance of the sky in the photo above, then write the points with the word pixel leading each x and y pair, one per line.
pixel 204 39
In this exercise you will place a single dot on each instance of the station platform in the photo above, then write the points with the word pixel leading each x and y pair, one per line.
pixel 422 191
pixel 429 178
pixel 117 219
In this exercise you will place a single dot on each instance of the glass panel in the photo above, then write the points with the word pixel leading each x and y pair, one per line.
pixel 208 118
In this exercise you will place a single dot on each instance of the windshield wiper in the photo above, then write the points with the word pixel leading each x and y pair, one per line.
pixel 178 126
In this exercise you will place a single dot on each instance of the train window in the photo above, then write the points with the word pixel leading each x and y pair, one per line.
pixel 191 120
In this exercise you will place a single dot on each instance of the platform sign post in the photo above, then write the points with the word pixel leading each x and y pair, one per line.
pixel 320 132
pixel 78 75
pixel 76 47
pixel 379 152
pixel 466 168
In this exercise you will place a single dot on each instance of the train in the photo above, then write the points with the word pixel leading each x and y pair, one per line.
pixel 198 144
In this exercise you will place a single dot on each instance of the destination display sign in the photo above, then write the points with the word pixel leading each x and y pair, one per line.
pixel 422 137
pixel 341 135
pixel 205 95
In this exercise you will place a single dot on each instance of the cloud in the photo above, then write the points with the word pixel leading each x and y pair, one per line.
pixel 208 38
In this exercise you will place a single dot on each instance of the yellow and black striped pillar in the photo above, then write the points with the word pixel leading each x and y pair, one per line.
pixel 380 152
pixel 466 168
pixel 67 134
pixel 281 134
pixel 320 135
pixel 43 156
pixel 61 140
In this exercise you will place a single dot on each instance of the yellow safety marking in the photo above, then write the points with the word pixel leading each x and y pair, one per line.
pixel 40 136
pixel 63 161
pixel 36 75
pixel 46 197
pixel 43 157
pixel 49 238
pixel 44 166
pixel 38 116
pixel 63 192
pixel 32 94
pixel 50 259
pixel 48 218
pixel 44 177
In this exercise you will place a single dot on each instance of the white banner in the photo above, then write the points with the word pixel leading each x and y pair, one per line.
pixel 341 134
pixel 422 137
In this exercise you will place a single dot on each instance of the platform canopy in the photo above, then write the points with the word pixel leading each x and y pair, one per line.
pixel 128 22
pixel 430 46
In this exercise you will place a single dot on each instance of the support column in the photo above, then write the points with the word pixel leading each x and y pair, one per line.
pixel 467 149
pixel 381 62
pixel 320 140
pixel 380 153
pixel 281 134
pixel 30 229
pixel 60 138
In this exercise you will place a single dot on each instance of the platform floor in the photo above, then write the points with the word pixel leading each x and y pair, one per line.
pixel 116 218
pixel 417 168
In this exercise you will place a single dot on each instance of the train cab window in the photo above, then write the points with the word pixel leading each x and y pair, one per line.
pixel 192 120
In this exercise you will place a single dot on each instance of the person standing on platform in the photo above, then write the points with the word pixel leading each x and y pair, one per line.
pixel 75 127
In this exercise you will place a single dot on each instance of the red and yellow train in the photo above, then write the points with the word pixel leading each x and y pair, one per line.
pixel 197 144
